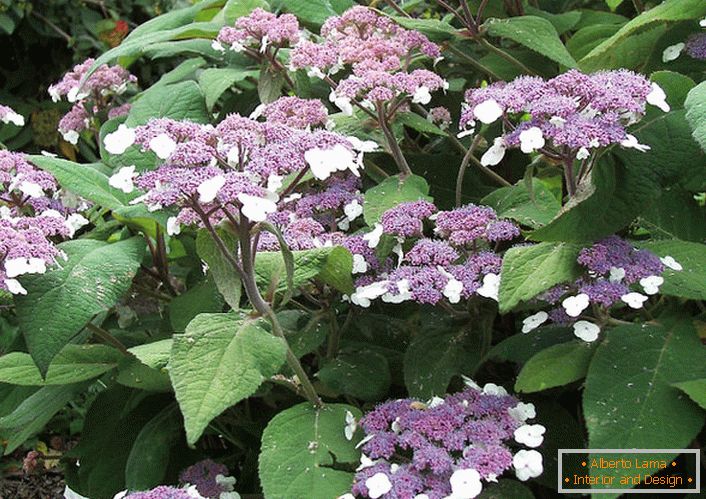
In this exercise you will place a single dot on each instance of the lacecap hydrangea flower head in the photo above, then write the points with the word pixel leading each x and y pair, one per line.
pixel 32 218
pixel 454 260
pixel 446 447
pixel 100 92
pixel 615 274
pixel 566 117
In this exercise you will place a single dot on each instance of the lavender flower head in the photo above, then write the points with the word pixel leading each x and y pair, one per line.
pixel 260 29
pixel 696 46
pixel 210 478
pixel 446 447
pixel 616 273
pixel 575 111
pixel 296 113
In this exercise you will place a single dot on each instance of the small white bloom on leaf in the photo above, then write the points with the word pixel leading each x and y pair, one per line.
pixel 527 464
pixel 118 141
pixel 495 153
pixel 534 321
pixel 122 179
pixel 465 484
pixel 587 331
pixel 634 300
pixel 531 435
pixel 574 305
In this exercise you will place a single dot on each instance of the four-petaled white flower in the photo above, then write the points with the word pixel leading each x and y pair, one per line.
pixel 162 145
pixel 493 389
pixel 531 139
pixel 534 321
pixel 527 464
pixel 364 294
pixel 651 284
pixel 465 484
pixel 531 435
pixel 421 95
pixel 495 153
pixel 488 111
pixel 227 483
pixel 274 182
pixel 118 141
pixel 324 162
pixel 616 274
pixel 490 287
pixel 70 136
pixel 634 299
pixel 173 226
pixel 363 145
pixel 670 262
pixel 123 178
pixel 31 189
pixel 351 426
pixel 19 266
pixel 587 331
pixel 215 45
pixel 672 52
pixel 73 95
pixel 574 305
pixel 630 142
pixel 74 222
pixel 373 237
pixel 360 266
pixel 523 411
pixel 658 98
pixel 403 293
pixel 209 189
pixel 353 210
pixel 14 287
pixel 452 290
pixel 582 153
pixel 256 208
pixel 342 103
pixel 378 485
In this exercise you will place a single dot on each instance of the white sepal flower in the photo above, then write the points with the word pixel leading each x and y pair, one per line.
pixel 373 237
pixel 14 118
pixel 118 141
pixel 31 189
pixel 658 98
pixel 651 284
pixel 531 140
pixel 378 485
pixel 14 287
pixel 74 222
pixel 360 266
pixel 403 293
pixel 531 435
pixel 342 103
pixel 488 111
pixel 70 136
pixel 209 189
pixel 421 95
pixel 672 52
pixel 587 331
pixel 631 142
pixel 215 45
pixel 616 274
pixel 495 153
pixel 582 154
pixel 122 179
pixel 363 145
pixel 527 464
pixel 523 411
pixel 324 162
pixel 493 389
pixel 465 484
pixel 452 290
pixel 574 305
pixel 534 321
pixel 173 226
pixel 162 145
pixel 365 294
pixel 353 210
pixel 274 182
pixel 256 208
pixel 351 426
pixel 634 300
pixel 490 287
pixel 670 262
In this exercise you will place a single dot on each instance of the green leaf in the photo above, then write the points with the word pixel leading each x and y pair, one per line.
pixel 562 22
pixel 363 374
pixel 185 70
pixel 233 9
pixel 225 276
pixel 696 113
pixel 73 364
pixel 695 389
pixel 269 85
pixel 506 488
pixel 338 270
pixel 200 299
pixel 148 369
pixel 534 33
pixel 59 303
pixel 519 348
pixel 557 365
pixel 219 361
pixel 178 101
pixel 434 356
pixel 147 463
pixel 418 123
pixel 84 181
pixel 299 448
pixel 196 46
pixel 690 282
pixel 529 270
pixel 675 215
pixel 35 411
pixel 434 29
pixel 215 81
pixel 613 4
pixel 304 333
pixel 675 85
pixel 534 208
pixel 629 401
pixel 315 12
pixel 667 11
pixel 391 192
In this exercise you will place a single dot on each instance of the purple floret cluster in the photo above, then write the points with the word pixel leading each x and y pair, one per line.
pixel 445 447
pixel 614 273
pixel 209 477
pixel 455 260
pixel 163 492
pixel 33 217
pixel 566 117
pixel 259 30
pixel 696 46
pixel 100 92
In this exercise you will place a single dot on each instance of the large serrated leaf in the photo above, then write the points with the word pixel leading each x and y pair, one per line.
pixel 690 282
pixel 225 276
pixel 555 366
pixel 299 446
pixel 696 113
pixel 215 81
pixel 59 303
pixel 219 361
pixel 534 33
pixel 178 101
pixel 530 270
pixel 391 192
